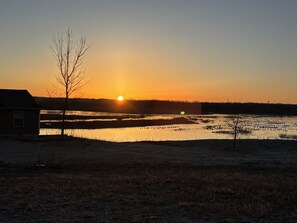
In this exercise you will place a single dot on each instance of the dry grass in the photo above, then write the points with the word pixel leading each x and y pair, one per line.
pixel 192 181
pixel 148 193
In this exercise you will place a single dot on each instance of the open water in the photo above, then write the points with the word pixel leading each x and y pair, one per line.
pixel 215 126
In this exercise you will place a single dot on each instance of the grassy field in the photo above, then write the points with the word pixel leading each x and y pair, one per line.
pixel 148 193
pixel 194 181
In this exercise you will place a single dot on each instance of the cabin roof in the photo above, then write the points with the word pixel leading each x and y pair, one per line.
pixel 17 99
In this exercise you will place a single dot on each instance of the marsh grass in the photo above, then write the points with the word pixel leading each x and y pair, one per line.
pixel 149 193
pixel 286 136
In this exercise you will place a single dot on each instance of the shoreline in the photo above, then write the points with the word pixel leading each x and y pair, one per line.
pixel 72 150
pixel 115 123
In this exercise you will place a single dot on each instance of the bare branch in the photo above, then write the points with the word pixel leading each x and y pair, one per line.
pixel 69 54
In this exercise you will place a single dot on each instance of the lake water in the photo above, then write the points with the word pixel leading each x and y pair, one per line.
pixel 213 126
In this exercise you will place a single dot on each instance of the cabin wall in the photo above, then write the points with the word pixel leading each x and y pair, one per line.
pixel 30 124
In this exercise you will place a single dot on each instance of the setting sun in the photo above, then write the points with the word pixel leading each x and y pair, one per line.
pixel 120 98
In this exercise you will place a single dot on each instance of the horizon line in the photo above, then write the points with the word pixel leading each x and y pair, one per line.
pixel 170 100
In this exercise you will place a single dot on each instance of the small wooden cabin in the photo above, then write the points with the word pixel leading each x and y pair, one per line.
pixel 19 113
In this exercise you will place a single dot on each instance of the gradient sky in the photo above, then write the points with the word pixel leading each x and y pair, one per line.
pixel 196 50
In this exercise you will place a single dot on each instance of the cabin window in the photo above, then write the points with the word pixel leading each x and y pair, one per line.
pixel 18 119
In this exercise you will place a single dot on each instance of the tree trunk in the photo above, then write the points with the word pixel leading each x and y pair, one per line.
pixel 63 116
pixel 234 139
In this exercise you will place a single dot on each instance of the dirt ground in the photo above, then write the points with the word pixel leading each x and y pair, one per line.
pixel 185 181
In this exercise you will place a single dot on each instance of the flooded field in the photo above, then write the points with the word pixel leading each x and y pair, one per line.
pixel 215 126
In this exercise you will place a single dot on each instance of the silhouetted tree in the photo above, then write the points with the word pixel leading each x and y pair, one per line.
pixel 69 53
pixel 237 127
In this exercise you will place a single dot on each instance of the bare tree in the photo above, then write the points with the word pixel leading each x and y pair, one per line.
pixel 69 53
pixel 237 126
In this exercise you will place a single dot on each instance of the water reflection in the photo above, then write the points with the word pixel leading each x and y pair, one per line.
pixel 132 134
pixel 205 127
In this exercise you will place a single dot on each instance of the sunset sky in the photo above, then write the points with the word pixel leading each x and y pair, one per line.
pixel 196 50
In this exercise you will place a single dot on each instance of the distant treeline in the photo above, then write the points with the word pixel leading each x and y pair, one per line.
pixel 167 107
